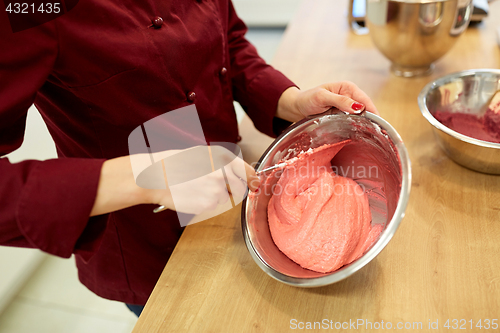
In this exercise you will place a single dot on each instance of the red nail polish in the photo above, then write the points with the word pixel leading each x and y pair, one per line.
pixel 357 106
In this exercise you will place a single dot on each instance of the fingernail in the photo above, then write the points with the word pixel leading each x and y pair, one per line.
pixel 357 106
pixel 256 187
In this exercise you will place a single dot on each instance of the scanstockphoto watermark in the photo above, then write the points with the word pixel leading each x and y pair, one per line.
pixel 468 325
pixel 358 324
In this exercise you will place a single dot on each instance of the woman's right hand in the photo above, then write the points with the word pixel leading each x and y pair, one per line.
pixel 118 189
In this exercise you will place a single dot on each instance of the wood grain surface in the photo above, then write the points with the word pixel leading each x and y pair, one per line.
pixel 443 263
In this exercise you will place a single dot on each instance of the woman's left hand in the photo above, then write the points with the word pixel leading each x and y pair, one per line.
pixel 295 104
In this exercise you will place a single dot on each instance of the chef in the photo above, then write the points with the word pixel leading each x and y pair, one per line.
pixel 95 74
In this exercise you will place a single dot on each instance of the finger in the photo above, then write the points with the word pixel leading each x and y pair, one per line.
pixel 217 194
pixel 253 181
pixel 220 193
pixel 237 186
pixel 223 196
pixel 247 173
pixel 343 103
pixel 361 97
pixel 209 206
pixel 355 100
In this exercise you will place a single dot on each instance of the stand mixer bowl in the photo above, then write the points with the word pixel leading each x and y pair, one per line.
pixel 413 34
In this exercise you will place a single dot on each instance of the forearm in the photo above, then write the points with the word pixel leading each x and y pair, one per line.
pixel 117 188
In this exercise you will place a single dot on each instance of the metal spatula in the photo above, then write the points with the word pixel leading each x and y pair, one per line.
pixel 274 167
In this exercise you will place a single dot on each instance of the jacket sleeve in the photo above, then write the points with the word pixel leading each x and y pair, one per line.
pixel 256 85
pixel 46 204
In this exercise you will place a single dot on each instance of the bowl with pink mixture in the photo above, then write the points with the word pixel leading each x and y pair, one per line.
pixel 464 111
pixel 335 202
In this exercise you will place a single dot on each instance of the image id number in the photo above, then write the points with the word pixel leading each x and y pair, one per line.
pixel 463 324
pixel 27 8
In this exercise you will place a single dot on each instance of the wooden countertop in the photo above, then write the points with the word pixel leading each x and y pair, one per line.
pixel 443 263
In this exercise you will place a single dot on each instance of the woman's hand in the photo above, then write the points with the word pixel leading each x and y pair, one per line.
pixel 295 104
pixel 203 177
pixel 117 187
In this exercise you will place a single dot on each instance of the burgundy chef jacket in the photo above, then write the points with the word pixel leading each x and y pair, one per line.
pixel 95 74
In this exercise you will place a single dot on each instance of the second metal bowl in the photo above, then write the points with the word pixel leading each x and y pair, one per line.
pixel 470 90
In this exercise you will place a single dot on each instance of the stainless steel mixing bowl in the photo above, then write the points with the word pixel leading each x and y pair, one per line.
pixel 468 91
pixel 415 33
pixel 387 152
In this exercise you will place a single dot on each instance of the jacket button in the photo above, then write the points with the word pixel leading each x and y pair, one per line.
pixel 191 96
pixel 157 22
pixel 238 138
pixel 223 71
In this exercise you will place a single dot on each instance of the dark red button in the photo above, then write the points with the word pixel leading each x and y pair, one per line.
pixel 191 96
pixel 238 138
pixel 223 71
pixel 157 22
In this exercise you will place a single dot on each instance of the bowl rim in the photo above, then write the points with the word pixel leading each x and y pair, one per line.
pixel 422 98
pixel 386 235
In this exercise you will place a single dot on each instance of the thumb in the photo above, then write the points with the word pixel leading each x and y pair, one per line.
pixel 253 180
pixel 344 103
pixel 248 174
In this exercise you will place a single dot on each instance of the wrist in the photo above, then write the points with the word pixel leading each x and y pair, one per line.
pixel 287 105
pixel 117 188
